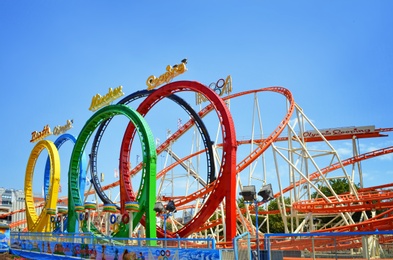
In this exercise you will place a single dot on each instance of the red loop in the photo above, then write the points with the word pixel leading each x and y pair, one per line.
pixel 125 218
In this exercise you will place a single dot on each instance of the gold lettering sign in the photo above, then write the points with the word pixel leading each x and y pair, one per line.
pixel 171 72
pixel 37 136
pixel 99 101
pixel 221 87
pixel 58 130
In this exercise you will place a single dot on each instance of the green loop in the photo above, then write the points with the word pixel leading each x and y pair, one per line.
pixel 148 179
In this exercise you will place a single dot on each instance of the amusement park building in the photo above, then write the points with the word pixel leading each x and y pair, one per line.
pixel 12 200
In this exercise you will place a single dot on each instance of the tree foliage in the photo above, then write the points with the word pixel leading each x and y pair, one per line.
pixel 339 186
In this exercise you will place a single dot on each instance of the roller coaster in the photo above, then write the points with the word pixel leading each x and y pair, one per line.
pixel 208 161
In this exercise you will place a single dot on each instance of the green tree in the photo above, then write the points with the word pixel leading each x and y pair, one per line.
pixel 276 224
pixel 339 186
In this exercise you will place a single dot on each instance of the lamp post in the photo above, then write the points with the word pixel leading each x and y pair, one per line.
pixel 249 195
pixel 165 211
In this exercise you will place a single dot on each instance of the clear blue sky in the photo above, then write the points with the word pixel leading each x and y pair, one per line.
pixel 335 56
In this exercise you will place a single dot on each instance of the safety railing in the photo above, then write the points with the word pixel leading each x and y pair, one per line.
pixel 334 245
pixel 87 245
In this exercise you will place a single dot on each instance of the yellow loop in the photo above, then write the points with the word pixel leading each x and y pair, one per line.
pixel 116 228
pixel 41 223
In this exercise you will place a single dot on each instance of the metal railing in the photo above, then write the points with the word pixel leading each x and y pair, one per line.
pixel 89 245
pixel 335 245
pixel 241 246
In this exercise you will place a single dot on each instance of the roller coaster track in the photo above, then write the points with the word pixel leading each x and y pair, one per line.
pixel 146 197
pixel 126 187
pixel 42 222
pixel 347 203
pixel 262 145
pixel 326 170
pixel 265 142
pixel 365 199
pixel 228 161
pixel 83 165
pixel 336 166
pixel 371 196
pixel 241 142
pixel 372 200
pixel 252 156
pixel 320 205
pixel 260 149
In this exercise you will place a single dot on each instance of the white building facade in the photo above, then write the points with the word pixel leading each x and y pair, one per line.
pixel 12 200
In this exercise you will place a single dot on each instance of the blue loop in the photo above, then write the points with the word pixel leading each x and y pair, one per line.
pixel 113 219
pixel 83 165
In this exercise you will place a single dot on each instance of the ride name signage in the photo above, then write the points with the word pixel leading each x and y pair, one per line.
pixel 37 136
pixel 340 131
pixel 58 130
pixel 171 72
pixel 221 87
pixel 99 101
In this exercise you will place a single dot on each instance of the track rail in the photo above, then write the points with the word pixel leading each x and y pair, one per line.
pixel 42 222
pixel 126 190
pixel 225 185
pixel 146 197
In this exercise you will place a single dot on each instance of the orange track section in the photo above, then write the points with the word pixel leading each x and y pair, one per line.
pixel 370 200
pixel 336 166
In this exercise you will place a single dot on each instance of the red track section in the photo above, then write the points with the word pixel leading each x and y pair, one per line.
pixel 371 200
pixel 225 185
pixel 275 134
pixel 262 146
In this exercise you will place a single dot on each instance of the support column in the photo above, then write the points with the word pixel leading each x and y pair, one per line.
pixel 90 206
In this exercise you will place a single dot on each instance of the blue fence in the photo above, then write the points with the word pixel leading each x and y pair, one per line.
pixel 86 245
pixel 241 245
